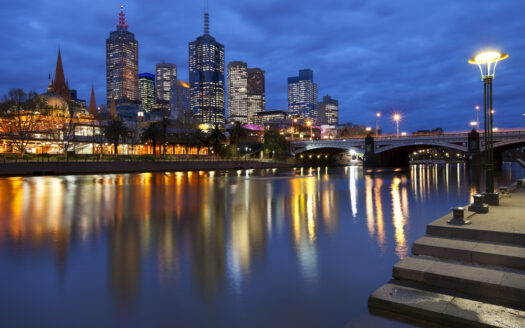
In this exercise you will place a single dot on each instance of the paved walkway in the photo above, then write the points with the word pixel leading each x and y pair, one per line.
pixel 463 276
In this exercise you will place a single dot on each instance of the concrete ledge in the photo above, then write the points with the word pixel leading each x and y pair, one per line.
pixel 488 283
pixel 442 308
pixel 485 253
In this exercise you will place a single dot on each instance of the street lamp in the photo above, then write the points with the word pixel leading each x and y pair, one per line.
pixel 477 117
pixel 378 115
pixel 396 118
pixel 487 62
pixel 473 124
pixel 309 123
pixel 293 127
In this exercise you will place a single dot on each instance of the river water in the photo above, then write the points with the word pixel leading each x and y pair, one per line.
pixel 248 248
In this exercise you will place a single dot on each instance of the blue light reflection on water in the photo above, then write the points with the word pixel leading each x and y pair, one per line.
pixel 298 247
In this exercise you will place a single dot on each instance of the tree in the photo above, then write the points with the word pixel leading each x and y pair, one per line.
pixel 19 118
pixel 216 138
pixel 114 131
pixel 198 139
pixel 152 134
pixel 62 125
pixel 275 143
pixel 237 132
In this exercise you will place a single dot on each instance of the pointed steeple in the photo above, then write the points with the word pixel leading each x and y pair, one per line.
pixel 113 107
pixel 206 18
pixel 122 19
pixel 92 102
pixel 50 85
pixel 59 84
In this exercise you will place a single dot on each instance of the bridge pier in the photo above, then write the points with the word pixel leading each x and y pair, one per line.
pixel 370 159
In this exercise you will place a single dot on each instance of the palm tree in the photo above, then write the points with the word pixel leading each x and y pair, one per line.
pixel 236 134
pixel 151 134
pixel 114 131
pixel 216 138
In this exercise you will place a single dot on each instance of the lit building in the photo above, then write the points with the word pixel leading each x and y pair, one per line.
pixel 302 95
pixel 256 93
pixel 328 111
pixel 147 91
pixel 166 74
pixel 122 62
pixel 180 99
pixel 267 116
pixel 246 95
pixel 237 77
pixel 206 77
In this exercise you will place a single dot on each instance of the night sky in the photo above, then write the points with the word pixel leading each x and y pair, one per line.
pixel 407 55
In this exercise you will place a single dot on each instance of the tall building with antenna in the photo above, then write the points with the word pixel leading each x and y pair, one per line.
pixel 206 76
pixel 122 64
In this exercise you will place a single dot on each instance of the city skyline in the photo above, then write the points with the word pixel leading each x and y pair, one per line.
pixel 367 75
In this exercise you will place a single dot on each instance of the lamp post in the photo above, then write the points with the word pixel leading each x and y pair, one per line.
pixel 309 123
pixel 397 117
pixel 293 128
pixel 477 117
pixel 378 115
pixel 487 62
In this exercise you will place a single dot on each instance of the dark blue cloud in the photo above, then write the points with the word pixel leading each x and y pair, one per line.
pixel 408 55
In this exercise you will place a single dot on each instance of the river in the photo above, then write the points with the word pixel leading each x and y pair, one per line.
pixel 247 248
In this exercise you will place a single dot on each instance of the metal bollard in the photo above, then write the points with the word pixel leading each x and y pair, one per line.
pixel 458 216
pixel 479 205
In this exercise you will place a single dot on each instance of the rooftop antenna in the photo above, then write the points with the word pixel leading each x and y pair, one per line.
pixel 122 19
pixel 206 18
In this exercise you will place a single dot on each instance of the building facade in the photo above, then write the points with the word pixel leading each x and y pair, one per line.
pixel 122 63
pixel 246 92
pixel 180 99
pixel 267 116
pixel 147 91
pixel 206 78
pixel 328 111
pixel 166 75
pixel 302 95
pixel 237 79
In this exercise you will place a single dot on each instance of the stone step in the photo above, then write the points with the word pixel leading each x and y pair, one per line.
pixel 503 286
pixel 485 253
pixel 441 308
pixel 470 232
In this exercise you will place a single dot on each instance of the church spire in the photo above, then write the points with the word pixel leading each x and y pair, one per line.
pixel 59 84
pixel 122 19
pixel 206 18
pixel 92 102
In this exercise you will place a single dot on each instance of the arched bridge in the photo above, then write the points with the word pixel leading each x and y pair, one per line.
pixel 395 150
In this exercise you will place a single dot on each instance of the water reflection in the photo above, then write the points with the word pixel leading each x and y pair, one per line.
pixel 215 231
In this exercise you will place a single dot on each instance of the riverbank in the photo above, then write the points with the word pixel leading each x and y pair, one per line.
pixel 22 168
pixel 469 275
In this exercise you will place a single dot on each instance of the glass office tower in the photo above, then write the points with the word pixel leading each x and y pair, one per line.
pixel 302 95
pixel 122 63
pixel 166 75
pixel 147 91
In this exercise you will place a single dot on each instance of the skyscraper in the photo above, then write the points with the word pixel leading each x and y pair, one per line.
pixel 256 93
pixel 206 75
pixel 302 95
pixel 166 75
pixel 328 111
pixel 237 77
pixel 147 91
pixel 180 99
pixel 246 94
pixel 122 62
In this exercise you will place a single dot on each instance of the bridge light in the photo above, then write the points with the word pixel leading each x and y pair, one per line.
pixel 378 115
pixel 404 134
pixel 495 129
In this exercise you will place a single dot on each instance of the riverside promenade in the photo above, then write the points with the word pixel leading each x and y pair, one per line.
pixel 22 168
pixel 463 275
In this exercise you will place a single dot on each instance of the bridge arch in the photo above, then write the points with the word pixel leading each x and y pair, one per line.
pixel 327 148
pixel 398 154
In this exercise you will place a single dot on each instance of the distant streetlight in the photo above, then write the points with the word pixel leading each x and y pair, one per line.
pixel 396 118
pixel 473 124
pixel 368 129
pixel 403 134
pixel 378 115
pixel 487 62
pixel 477 117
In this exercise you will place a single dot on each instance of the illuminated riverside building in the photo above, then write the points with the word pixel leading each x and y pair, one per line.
pixel 180 99
pixel 147 91
pixel 328 111
pixel 166 75
pixel 246 92
pixel 237 77
pixel 122 63
pixel 302 95
pixel 267 116
pixel 206 77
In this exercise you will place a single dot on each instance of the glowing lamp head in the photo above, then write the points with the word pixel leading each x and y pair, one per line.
pixel 368 129
pixel 487 61
pixel 309 123
pixel 397 117
pixel 473 124
pixel 378 114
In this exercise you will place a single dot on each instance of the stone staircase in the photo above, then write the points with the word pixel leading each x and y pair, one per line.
pixel 463 276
